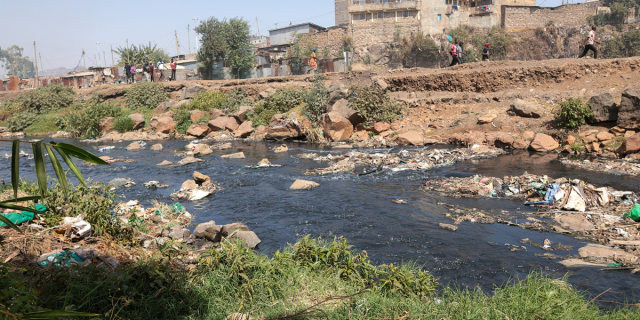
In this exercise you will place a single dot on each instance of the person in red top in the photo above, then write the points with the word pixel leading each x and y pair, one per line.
pixel 454 53
pixel 151 70
pixel 173 70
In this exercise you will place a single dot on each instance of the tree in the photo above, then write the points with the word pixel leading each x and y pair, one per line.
pixel 227 41
pixel 141 54
pixel 15 64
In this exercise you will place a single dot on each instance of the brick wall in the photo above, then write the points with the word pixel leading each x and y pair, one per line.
pixel 571 15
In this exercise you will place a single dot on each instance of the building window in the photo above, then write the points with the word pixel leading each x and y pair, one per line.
pixel 405 14
pixel 380 15
pixel 362 16
pixel 439 17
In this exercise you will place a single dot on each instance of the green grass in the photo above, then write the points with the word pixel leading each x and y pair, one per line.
pixel 44 123
pixel 234 279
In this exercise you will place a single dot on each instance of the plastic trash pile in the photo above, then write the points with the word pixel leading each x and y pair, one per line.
pixel 611 166
pixel 398 161
pixel 155 185
pixel 121 182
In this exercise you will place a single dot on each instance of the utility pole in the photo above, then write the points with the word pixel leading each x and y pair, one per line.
pixel 36 60
pixel 128 51
pixel 259 34
pixel 84 60
pixel 104 56
pixel 98 43
pixel 189 37
pixel 112 61
pixel 195 27
pixel 177 45
pixel 44 74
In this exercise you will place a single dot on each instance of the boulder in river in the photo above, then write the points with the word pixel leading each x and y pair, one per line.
pixel 198 130
pixel 188 160
pixel 156 147
pixel 413 138
pixel 244 130
pixel 134 146
pixel 162 124
pixel 303 185
pixel 202 149
pixel 165 163
pixel 336 127
pixel 543 143
pixel 239 155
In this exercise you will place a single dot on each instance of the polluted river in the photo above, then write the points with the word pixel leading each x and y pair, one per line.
pixel 387 213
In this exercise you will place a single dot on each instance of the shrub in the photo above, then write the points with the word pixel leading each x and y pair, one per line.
pixel 373 105
pixel 573 113
pixel 208 100
pixel 236 99
pixel 183 120
pixel 21 121
pixel 499 45
pixel 83 120
pixel 316 100
pixel 145 95
pixel 44 99
pixel 123 124
pixel 280 102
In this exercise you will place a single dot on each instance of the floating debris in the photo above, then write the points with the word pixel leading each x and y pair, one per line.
pixel 155 184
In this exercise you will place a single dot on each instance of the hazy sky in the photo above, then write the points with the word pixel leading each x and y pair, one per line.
pixel 62 28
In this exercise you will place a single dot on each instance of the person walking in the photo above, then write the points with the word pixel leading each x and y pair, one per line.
pixel 127 71
pixel 454 53
pixel 313 62
pixel 588 44
pixel 161 69
pixel 132 71
pixel 461 52
pixel 173 70
pixel 145 71
pixel 151 70
pixel 485 52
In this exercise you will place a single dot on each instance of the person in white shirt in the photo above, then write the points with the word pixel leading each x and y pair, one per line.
pixel 588 44
pixel 161 68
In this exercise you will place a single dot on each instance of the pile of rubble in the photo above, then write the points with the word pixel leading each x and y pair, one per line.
pixel 200 187
pixel 424 159
pixel 565 206
pixel 625 166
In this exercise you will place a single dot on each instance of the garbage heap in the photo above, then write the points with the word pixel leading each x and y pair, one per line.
pixel 625 166
pixel 424 159
pixel 577 208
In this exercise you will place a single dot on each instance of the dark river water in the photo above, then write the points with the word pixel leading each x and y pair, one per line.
pixel 361 209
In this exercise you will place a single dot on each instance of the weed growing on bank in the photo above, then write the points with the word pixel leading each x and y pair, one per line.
pixel 145 95
pixel 205 101
pixel 573 113
pixel 83 120
pixel 123 124
pixel 373 105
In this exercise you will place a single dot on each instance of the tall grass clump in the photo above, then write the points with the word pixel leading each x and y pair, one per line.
pixel 145 95
pixel 373 105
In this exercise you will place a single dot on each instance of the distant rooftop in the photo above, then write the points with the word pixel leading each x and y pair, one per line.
pixel 300 24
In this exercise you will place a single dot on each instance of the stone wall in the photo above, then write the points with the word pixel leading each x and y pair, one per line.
pixel 571 15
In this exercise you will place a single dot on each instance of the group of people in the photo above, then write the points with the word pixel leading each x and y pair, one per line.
pixel 148 69
pixel 457 54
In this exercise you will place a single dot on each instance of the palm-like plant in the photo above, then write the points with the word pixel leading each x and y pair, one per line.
pixel 140 54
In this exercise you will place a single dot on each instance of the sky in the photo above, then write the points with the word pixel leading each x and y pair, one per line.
pixel 63 28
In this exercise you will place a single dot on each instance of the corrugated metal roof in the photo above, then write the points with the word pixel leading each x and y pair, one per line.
pixel 297 25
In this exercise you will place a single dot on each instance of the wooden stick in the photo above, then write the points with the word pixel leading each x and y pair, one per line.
pixel 585 306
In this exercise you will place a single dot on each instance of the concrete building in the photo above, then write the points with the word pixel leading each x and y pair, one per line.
pixel 431 16
pixel 260 41
pixel 284 35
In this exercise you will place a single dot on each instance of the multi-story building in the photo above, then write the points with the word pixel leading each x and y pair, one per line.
pixel 431 16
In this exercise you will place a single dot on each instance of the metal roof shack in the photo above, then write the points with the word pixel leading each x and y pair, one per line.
pixel 284 35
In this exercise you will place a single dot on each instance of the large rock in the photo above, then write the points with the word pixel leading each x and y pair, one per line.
pixel 244 130
pixel 198 130
pixel 216 113
pixel 631 145
pixel 381 83
pixel 106 124
pixel 202 149
pixel 283 131
pixel 267 93
pixel 336 127
pixel 239 155
pixel 163 107
pixel 189 184
pixel 604 108
pixel 156 147
pixel 543 143
pixel 138 121
pixel 593 250
pixel 487 118
pixel 242 113
pixel 520 144
pixel 573 221
pixel 343 107
pixel 500 139
pixel 380 127
pixel 303 185
pixel 191 90
pixel 134 146
pixel 209 231
pixel 200 178
pixel 276 119
pixel 629 111
pixel 334 96
pixel 196 115
pixel 249 238
pixel 162 124
pixel 413 138
pixel 527 109
pixel 223 123
pixel 232 227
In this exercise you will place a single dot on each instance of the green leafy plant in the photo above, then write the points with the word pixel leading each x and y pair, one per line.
pixel 123 124
pixel 572 113
pixel 83 121
pixel 577 147
pixel 21 121
pixel 236 99
pixel 145 95
pixel 183 120
pixel 208 100
pixel 281 101
pixel 315 100
pixel 373 105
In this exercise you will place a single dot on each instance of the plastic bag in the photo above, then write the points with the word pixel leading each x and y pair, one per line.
pixel 634 214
